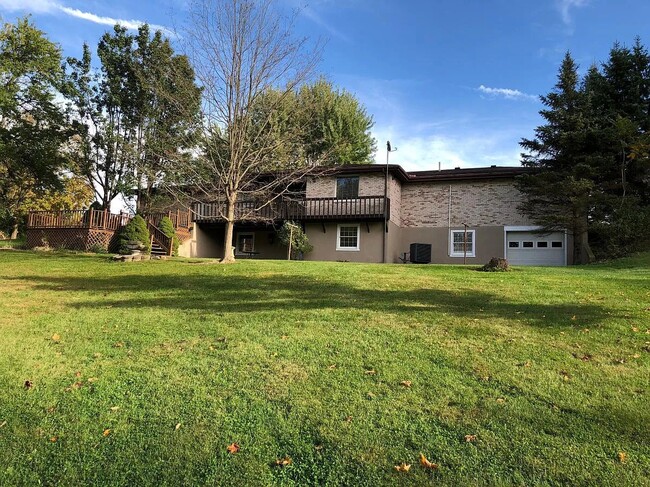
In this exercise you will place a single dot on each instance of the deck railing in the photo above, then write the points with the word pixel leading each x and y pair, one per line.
pixel 365 207
pixel 180 219
pixel 93 219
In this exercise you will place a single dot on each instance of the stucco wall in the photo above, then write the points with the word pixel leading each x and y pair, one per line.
pixel 370 243
pixel 489 243
pixel 207 241
pixel 492 202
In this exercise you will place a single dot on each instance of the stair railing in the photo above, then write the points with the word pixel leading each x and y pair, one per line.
pixel 165 242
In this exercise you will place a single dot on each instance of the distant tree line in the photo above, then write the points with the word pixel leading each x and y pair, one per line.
pixel 591 158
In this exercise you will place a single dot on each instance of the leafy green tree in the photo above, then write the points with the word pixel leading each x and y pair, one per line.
pixel 33 126
pixel 333 124
pixel 315 123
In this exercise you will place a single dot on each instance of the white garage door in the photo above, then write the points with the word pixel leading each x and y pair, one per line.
pixel 529 248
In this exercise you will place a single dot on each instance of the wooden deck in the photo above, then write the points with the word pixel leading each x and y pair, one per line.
pixel 308 209
pixel 86 229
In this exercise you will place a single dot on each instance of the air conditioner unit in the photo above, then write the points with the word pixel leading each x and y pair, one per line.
pixel 420 253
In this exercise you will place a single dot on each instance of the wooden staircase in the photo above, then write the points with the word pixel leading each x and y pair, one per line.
pixel 161 244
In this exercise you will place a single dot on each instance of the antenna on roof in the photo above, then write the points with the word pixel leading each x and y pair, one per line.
pixel 439 163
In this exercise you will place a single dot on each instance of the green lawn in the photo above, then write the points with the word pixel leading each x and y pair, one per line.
pixel 144 373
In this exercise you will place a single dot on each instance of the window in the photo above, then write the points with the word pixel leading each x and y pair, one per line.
pixel 556 244
pixel 513 245
pixel 542 245
pixel 347 188
pixel 347 237
pixel 245 243
pixel 527 245
pixel 459 247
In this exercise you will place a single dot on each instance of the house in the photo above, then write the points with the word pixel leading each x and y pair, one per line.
pixel 379 213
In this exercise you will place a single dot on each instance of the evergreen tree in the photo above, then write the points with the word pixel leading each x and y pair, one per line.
pixel 560 187
pixel 591 158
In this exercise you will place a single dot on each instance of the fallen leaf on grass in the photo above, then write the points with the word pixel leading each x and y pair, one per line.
pixel 28 384
pixel 3 424
pixel 77 374
pixel 403 467
pixel 500 400
pixel 176 428
pixel 118 345
pixel 370 372
pixel 426 463
pixel 283 462
pixel 106 432
pixel 53 439
pixel 565 375
pixel 470 438
pixel 406 383
pixel 284 337
pixel 232 448
pixel 332 367
pixel 91 379
pixel 56 337
pixel 348 419
pixel 622 456
pixel 115 408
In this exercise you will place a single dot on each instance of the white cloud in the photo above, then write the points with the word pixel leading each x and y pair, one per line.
pixel 49 6
pixel 506 93
pixel 565 6
pixel 129 24
pixel 465 149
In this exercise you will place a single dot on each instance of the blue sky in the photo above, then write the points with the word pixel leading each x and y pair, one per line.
pixel 449 81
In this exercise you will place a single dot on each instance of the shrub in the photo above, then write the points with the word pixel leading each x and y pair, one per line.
pixel 496 264
pixel 292 232
pixel 135 231
pixel 167 227
pixel 97 249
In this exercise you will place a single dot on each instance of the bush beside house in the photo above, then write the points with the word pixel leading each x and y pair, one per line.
pixel 135 236
pixel 167 227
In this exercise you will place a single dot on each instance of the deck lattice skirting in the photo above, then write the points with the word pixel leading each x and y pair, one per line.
pixel 86 230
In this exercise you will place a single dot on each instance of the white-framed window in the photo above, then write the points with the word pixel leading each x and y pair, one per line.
pixel 347 237
pixel 245 243
pixel 460 246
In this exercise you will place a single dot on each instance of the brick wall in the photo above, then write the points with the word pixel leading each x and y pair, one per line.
pixel 491 202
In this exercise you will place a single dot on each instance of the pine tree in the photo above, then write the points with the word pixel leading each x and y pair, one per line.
pixel 560 187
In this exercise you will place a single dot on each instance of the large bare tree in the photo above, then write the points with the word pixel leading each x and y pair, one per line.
pixel 242 50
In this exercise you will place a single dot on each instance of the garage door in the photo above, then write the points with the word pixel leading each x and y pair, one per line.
pixel 529 248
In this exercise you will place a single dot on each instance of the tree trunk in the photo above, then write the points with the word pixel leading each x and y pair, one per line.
pixel 228 254
pixel 14 232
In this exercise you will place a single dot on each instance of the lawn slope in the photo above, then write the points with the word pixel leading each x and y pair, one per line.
pixel 144 373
